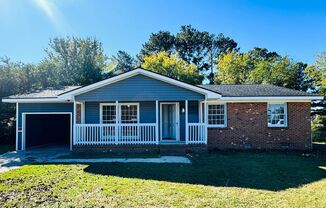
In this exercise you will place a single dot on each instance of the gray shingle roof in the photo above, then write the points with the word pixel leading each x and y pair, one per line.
pixel 254 90
pixel 52 92
pixel 245 90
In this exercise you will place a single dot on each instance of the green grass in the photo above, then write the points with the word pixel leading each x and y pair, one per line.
pixel 6 148
pixel 228 179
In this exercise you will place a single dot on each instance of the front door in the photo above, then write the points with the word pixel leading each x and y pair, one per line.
pixel 169 121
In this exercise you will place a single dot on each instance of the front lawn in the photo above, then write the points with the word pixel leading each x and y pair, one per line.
pixel 229 179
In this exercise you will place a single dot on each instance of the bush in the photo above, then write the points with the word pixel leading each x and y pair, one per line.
pixel 318 128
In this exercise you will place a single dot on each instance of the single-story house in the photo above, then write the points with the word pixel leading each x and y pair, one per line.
pixel 141 108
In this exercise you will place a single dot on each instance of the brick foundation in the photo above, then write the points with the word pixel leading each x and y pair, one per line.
pixel 247 128
pixel 154 149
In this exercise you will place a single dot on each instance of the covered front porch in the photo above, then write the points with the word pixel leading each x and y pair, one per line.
pixel 140 122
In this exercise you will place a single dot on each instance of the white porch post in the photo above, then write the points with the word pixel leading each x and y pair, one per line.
pixel 206 119
pixel 156 127
pixel 17 108
pixel 200 112
pixel 74 123
pixel 186 119
pixel 116 122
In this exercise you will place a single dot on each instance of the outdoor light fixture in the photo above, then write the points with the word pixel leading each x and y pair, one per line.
pixel 183 110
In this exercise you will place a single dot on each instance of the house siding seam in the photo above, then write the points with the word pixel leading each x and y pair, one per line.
pixel 139 88
pixel 247 125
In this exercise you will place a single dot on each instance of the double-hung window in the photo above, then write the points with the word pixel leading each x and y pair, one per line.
pixel 109 114
pixel 277 115
pixel 128 113
pixel 216 115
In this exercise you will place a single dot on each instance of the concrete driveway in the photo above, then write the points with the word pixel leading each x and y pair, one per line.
pixel 15 159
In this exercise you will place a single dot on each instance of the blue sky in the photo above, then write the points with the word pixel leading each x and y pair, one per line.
pixel 294 28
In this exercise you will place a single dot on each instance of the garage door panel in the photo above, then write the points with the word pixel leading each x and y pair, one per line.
pixel 42 129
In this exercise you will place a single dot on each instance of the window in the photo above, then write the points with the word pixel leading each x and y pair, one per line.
pixel 277 115
pixel 217 115
pixel 129 113
pixel 108 114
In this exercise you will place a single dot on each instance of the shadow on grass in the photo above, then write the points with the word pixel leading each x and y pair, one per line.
pixel 272 171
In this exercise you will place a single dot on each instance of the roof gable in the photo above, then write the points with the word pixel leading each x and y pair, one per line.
pixel 139 88
pixel 207 93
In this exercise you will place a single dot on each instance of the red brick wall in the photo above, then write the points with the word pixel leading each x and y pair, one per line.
pixel 247 125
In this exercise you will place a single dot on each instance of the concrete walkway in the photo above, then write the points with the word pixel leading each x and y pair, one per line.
pixel 163 159
pixel 15 159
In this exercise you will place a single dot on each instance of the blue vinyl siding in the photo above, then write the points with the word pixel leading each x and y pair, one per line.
pixel 147 113
pixel 92 112
pixel 193 111
pixel 40 107
pixel 43 107
pixel 139 88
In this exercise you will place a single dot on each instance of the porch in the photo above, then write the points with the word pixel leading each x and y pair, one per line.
pixel 140 123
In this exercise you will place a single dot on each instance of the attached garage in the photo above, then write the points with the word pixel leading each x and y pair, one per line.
pixel 47 129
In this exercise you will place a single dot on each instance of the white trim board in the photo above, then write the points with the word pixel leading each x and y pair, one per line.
pixel 35 100
pixel 17 121
pixel 208 93
pixel 222 99
pixel 23 147
pixel 275 98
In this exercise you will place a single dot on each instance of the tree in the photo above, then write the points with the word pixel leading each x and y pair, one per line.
pixel 193 46
pixel 317 73
pixel 300 81
pixel 160 41
pixel 219 45
pixel 199 48
pixel 16 78
pixel 233 68
pixel 259 66
pixel 78 61
pixel 122 62
pixel 172 66
pixel 318 125
pixel 260 54
pixel 278 71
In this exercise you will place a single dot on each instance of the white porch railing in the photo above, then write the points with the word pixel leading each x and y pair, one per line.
pixel 97 134
pixel 196 133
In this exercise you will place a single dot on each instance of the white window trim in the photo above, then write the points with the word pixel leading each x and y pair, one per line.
pixel 118 114
pixel 285 114
pixel 225 116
